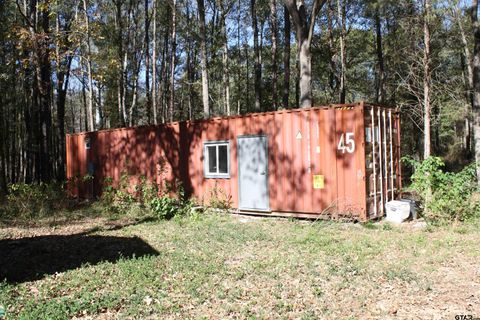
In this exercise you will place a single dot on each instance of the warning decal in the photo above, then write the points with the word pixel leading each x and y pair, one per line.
pixel 318 182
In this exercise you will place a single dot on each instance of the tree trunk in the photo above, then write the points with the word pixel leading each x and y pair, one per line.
pixel 297 84
pixel 136 72
pixel 190 64
pixel 469 83
pixel 476 85
pixel 32 116
pixel 154 64
pixel 120 55
pixel 426 80
pixel 380 90
pixel 225 62
pixel 333 79
pixel 85 107
pixel 286 58
pixel 44 97
pixel 203 58
pixel 147 64
pixel 191 54
pixel 274 32
pixel 100 108
pixel 258 64
pixel 305 80
pixel 125 84
pixel 63 80
pixel 3 180
pixel 91 119
pixel 343 58
pixel 63 65
pixel 172 61
pixel 247 75
pixel 304 31
pixel 239 58
pixel 164 75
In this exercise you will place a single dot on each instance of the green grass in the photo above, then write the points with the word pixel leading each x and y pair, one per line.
pixel 221 267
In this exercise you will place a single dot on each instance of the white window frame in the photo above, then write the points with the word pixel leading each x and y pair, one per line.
pixel 215 175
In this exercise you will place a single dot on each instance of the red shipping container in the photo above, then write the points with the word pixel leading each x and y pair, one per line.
pixel 333 161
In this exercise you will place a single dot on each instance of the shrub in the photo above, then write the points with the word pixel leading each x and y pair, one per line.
pixel 167 207
pixel 29 201
pixel 124 199
pixel 144 199
pixel 445 196
pixel 145 191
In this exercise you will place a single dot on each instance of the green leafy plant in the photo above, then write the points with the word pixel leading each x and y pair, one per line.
pixel 167 206
pixel 124 198
pixel 145 190
pixel 145 198
pixel 34 200
pixel 445 196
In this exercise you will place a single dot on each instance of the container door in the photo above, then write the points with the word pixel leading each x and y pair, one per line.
pixel 253 173
pixel 382 159
pixel 349 145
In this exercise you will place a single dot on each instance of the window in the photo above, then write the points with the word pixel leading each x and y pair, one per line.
pixel 217 159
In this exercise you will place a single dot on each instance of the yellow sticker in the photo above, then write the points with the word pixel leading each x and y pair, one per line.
pixel 318 182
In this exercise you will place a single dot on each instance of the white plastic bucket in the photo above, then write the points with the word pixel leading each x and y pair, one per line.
pixel 397 211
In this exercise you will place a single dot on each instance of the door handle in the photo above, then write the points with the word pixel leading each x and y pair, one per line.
pixel 263 173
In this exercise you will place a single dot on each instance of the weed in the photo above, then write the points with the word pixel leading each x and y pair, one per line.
pixel 387 226
pixel 219 199
pixel 400 273
pixel 370 225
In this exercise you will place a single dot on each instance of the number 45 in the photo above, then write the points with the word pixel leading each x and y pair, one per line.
pixel 346 143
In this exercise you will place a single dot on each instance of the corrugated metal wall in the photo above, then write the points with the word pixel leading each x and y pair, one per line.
pixel 316 157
